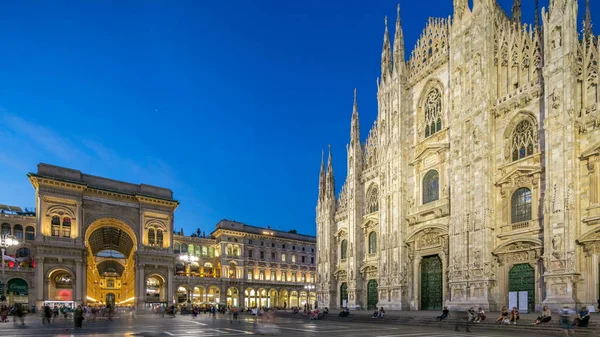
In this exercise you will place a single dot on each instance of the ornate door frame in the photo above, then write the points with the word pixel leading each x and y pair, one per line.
pixel 423 243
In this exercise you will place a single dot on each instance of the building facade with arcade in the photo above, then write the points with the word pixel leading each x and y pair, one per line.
pixel 99 241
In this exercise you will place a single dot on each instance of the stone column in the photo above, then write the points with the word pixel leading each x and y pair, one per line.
pixel 443 258
pixel 39 282
pixel 81 283
pixel 170 286
pixel 415 305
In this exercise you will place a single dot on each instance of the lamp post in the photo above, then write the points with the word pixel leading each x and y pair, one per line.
pixel 188 259
pixel 310 287
pixel 6 240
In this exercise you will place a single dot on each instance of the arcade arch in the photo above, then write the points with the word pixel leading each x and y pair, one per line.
pixel 111 245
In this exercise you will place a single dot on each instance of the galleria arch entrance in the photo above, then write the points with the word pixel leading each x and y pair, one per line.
pixel 111 278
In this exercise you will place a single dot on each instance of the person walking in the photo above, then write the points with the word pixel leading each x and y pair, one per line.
pixel 78 317
pixel 565 320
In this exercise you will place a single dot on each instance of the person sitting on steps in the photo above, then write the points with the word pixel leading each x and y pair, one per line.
pixel 583 318
pixel 444 315
pixel 503 316
pixel 545 317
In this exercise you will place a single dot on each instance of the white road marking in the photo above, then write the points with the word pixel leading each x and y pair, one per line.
pixel 242 331
pixel 168 333
pixel 198 323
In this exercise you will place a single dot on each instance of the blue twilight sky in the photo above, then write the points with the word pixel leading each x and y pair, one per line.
pixel 228 103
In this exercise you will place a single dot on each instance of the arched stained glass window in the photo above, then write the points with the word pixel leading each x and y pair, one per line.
pixel 431 187
pixel 433 112
pixel 523 140
pixel 372 200
pixel 55 220
pixel 177 248
pixel 521 205
pixel 344 249
pixel 184 248
pixel 159 237
pixel 372 243
pixel 151 236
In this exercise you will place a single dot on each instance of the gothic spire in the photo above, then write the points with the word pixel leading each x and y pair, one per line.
pixel 587 23
pixel 398 43
pixel 322 176
pixel 355 126
pixel 516 11
pixel 330 184
pixel 537 15
pixel 386 53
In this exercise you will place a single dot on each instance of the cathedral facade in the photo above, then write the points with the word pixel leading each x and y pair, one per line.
pixel 478 177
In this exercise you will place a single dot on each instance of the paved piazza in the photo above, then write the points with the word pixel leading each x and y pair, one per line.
pixel 151 325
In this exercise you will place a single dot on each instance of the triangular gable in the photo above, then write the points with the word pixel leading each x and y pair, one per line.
pixel 521 170
pixel 429 148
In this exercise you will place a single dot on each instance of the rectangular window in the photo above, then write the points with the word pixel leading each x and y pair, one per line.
pixel 293 258
pixel 250 274
pixel 283 246
pixel 262 255
pixel 284 276
pixel 312 260
pixel 283 257
pixel 303 259
pixel 293 277
pixel 249 253
pixel 312 250
pixel 261 275
pixel 273 256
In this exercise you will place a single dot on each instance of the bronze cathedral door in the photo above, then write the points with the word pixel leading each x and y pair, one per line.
pixel 431 283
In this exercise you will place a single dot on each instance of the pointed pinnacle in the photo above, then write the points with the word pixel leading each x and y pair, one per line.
pixel 587 23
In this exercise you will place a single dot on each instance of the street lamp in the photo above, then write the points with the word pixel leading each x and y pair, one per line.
pixel 188 259
pixel 6 241
pixel 309 287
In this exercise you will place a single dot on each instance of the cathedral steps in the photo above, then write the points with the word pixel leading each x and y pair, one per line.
pixel 427 318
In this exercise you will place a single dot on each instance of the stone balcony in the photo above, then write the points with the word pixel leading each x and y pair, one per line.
pixel 519 228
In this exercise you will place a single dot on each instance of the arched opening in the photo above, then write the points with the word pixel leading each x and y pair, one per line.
pixel 284 299
pixel 17 291
pixel 303 298
pixel 199 295
pixel 250 298
pixel 182 295
pixel 60 288
pixel 431 283
pixel 233 297
pixel 213 295
pixel 294 299
pixel 155 291
pixel 521 277
pixel 273 298
pixel 372 295
pixel 111 247
pixel 344 295
pixel 312 298
pixel 18 232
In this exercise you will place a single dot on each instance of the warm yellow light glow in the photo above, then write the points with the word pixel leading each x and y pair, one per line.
pixel 91 299
pixel 127 300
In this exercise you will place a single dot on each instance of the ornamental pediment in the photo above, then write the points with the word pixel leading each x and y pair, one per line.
pixel 429 149
pixel 518 246
pixel 370 220
pixel 593 151
pixel 368 268
pixel 519 175
pixel 341 233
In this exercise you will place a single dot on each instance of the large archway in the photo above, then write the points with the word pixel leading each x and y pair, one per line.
pixel 111 245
